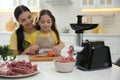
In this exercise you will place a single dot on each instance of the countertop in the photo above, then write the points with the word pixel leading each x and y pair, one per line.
pixel 48 72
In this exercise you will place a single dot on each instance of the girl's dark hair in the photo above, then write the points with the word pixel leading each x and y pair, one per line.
pixel 53 27
pixel 19 32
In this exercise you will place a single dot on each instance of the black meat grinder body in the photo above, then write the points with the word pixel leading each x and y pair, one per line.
pixel 95 55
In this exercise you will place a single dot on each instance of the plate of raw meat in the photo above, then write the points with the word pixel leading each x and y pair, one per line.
pixel 18 68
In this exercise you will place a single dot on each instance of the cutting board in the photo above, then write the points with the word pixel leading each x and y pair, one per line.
pixel 35 58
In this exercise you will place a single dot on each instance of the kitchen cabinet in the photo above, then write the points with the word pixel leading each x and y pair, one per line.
pixel 87 3
pixel 106 3
pixel 32 4
pixel 4 38
pixel 6 5
pixel 111 40
pixel 99 3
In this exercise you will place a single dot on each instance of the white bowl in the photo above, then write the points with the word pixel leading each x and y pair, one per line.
pixel 64 67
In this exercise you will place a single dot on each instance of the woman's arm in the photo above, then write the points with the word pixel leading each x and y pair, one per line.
pixel 31 50
pixel 13 43
pixel 15 52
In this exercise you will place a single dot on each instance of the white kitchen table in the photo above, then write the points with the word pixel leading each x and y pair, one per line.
pixel 47 72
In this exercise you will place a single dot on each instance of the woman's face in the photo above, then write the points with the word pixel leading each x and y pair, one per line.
pixel 26 19
pixel 45 23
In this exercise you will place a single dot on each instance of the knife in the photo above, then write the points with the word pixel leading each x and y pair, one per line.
pixel 41 51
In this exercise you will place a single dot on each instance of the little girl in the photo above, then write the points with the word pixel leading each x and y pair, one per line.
pixel 47 36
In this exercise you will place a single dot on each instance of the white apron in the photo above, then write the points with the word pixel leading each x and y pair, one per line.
pixel 45 43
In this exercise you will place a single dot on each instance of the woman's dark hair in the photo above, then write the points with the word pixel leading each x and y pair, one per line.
pixel 19 32
pixel 53 27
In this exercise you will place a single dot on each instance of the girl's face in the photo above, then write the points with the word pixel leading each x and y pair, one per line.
pixel 26 19
pixel 45 23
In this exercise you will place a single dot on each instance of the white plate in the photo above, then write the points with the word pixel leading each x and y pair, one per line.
pixel 20 76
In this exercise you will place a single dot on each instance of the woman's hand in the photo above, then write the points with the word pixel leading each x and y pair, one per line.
pixel 71 51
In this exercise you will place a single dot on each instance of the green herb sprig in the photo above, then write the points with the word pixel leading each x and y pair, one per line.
pixel 5 52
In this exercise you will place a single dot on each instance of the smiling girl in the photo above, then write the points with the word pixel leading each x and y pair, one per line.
pixel 47 37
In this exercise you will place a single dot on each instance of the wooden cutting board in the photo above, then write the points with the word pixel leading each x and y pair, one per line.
pixel 35 58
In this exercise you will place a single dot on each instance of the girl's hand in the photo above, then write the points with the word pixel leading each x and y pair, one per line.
pixel 56 50
pixel 70 51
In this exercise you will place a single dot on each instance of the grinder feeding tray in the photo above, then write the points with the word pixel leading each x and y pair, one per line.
pixel 79 28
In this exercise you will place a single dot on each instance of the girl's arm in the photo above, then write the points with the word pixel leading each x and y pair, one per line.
pixel 61 45
pixel 58 48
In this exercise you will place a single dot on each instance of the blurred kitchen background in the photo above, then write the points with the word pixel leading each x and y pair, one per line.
pixel 107 12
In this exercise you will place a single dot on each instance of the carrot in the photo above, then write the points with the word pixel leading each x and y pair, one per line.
pixel 50 54
pixel 37 56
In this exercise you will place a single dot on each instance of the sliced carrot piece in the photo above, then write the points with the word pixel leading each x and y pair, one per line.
pixel 50 54
pixel 37 56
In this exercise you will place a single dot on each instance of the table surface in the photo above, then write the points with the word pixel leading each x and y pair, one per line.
pixel 47 72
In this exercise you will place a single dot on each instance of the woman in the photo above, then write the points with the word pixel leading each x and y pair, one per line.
pixel 18 38
pixel 47 37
